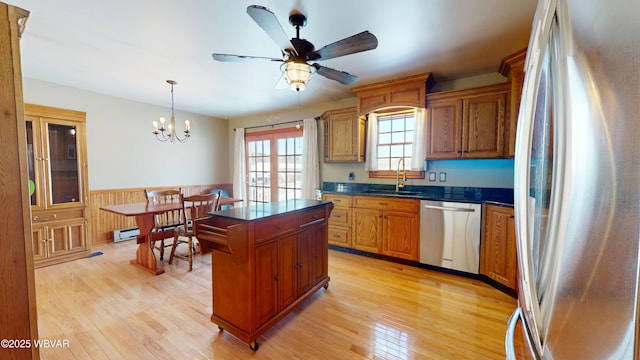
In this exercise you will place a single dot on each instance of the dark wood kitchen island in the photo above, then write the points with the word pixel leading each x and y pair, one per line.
pixel 266 260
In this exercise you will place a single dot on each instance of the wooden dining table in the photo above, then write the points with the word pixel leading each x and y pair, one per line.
pixel 144 214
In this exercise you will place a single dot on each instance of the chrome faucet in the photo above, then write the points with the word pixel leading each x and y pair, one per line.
pixel 399 183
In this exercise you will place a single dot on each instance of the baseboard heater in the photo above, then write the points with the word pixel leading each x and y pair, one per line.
pixel 125 234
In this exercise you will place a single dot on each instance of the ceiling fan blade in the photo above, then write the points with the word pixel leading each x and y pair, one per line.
pixel 270 24
pixel 342 77
pixel 240 58
pixel 360 42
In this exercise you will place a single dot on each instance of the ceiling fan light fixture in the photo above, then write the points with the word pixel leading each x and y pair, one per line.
pixel 297 75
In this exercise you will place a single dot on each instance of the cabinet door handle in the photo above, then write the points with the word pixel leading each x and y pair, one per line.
pixel 45 219
pixel 383 204
pixel 276 278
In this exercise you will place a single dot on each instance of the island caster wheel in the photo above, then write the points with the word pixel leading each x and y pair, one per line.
pixel 254 346
pixel 326 286
pixel 220 328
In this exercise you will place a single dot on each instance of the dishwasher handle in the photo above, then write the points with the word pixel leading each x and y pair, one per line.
pixel 446 208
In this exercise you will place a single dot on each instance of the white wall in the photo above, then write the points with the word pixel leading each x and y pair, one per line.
pixel 122 151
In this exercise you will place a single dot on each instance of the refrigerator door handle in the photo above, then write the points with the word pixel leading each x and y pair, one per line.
pixel 509 339
pixel 445 208
pixel 509 346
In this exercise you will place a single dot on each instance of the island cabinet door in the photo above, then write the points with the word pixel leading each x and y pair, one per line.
pixel 287 263
pixel 320 248
pixel 311 255
pixel 266 282
pixel 275 277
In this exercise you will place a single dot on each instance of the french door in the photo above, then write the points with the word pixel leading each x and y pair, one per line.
pixel 274 165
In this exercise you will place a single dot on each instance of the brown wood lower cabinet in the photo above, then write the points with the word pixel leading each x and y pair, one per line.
pixel 388 226
pixel 340 220
pixel 264 266
pixel 498 259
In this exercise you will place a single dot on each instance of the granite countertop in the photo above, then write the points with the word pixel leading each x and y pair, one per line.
pixel 260 211
pixel 496 196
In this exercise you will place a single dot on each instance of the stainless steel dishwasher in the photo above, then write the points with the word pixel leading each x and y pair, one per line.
pixel 450 235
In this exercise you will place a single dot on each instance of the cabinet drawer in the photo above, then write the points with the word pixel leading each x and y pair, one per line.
pixel 56 215
pixel 339 236
pixel 385 203
pixel 311 216
pixel 340 217
pixel 338 200
pixel 270 228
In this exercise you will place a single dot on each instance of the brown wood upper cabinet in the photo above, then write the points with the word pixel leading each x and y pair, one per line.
pixel 406 92
pixel 467 123
pixel 344 135
pixel 513 68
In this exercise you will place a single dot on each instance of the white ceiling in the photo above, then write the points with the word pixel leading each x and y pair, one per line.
pixel 129 48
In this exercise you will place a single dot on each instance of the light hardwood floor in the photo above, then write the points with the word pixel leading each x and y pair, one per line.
pixel 106 308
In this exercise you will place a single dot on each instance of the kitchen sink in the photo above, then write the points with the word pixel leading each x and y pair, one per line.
pixel 390 192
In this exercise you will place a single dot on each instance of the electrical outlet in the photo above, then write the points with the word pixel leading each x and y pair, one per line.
pixel 443 176
pixel 432 176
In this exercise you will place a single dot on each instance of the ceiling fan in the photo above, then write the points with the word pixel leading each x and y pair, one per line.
pixel 297 52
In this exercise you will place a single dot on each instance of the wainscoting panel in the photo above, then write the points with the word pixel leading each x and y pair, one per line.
pixel 103 223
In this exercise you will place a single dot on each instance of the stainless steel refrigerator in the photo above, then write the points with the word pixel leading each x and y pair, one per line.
pixel 577 182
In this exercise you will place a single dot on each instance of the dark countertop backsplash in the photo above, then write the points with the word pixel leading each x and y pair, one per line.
pixel 498 196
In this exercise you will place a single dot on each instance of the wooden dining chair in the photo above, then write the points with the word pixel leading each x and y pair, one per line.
pixel 165 222
pixel 194 207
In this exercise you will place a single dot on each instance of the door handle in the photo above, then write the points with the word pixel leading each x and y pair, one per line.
pixel 446 208
pixel 509 346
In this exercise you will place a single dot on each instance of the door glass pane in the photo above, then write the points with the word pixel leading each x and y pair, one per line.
pixel 259 167
pixel 63 164
pixel 287 159
pixel 31 164
pixel 541 164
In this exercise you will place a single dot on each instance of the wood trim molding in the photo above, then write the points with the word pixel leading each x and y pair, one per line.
pixel 18 296
pixel 102 223
pixel 405 92
pixel 508 62
pixel 58 113
pixel 391 174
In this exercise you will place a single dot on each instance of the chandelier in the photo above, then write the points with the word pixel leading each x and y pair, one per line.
pixel 171 134
pixel 297 74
